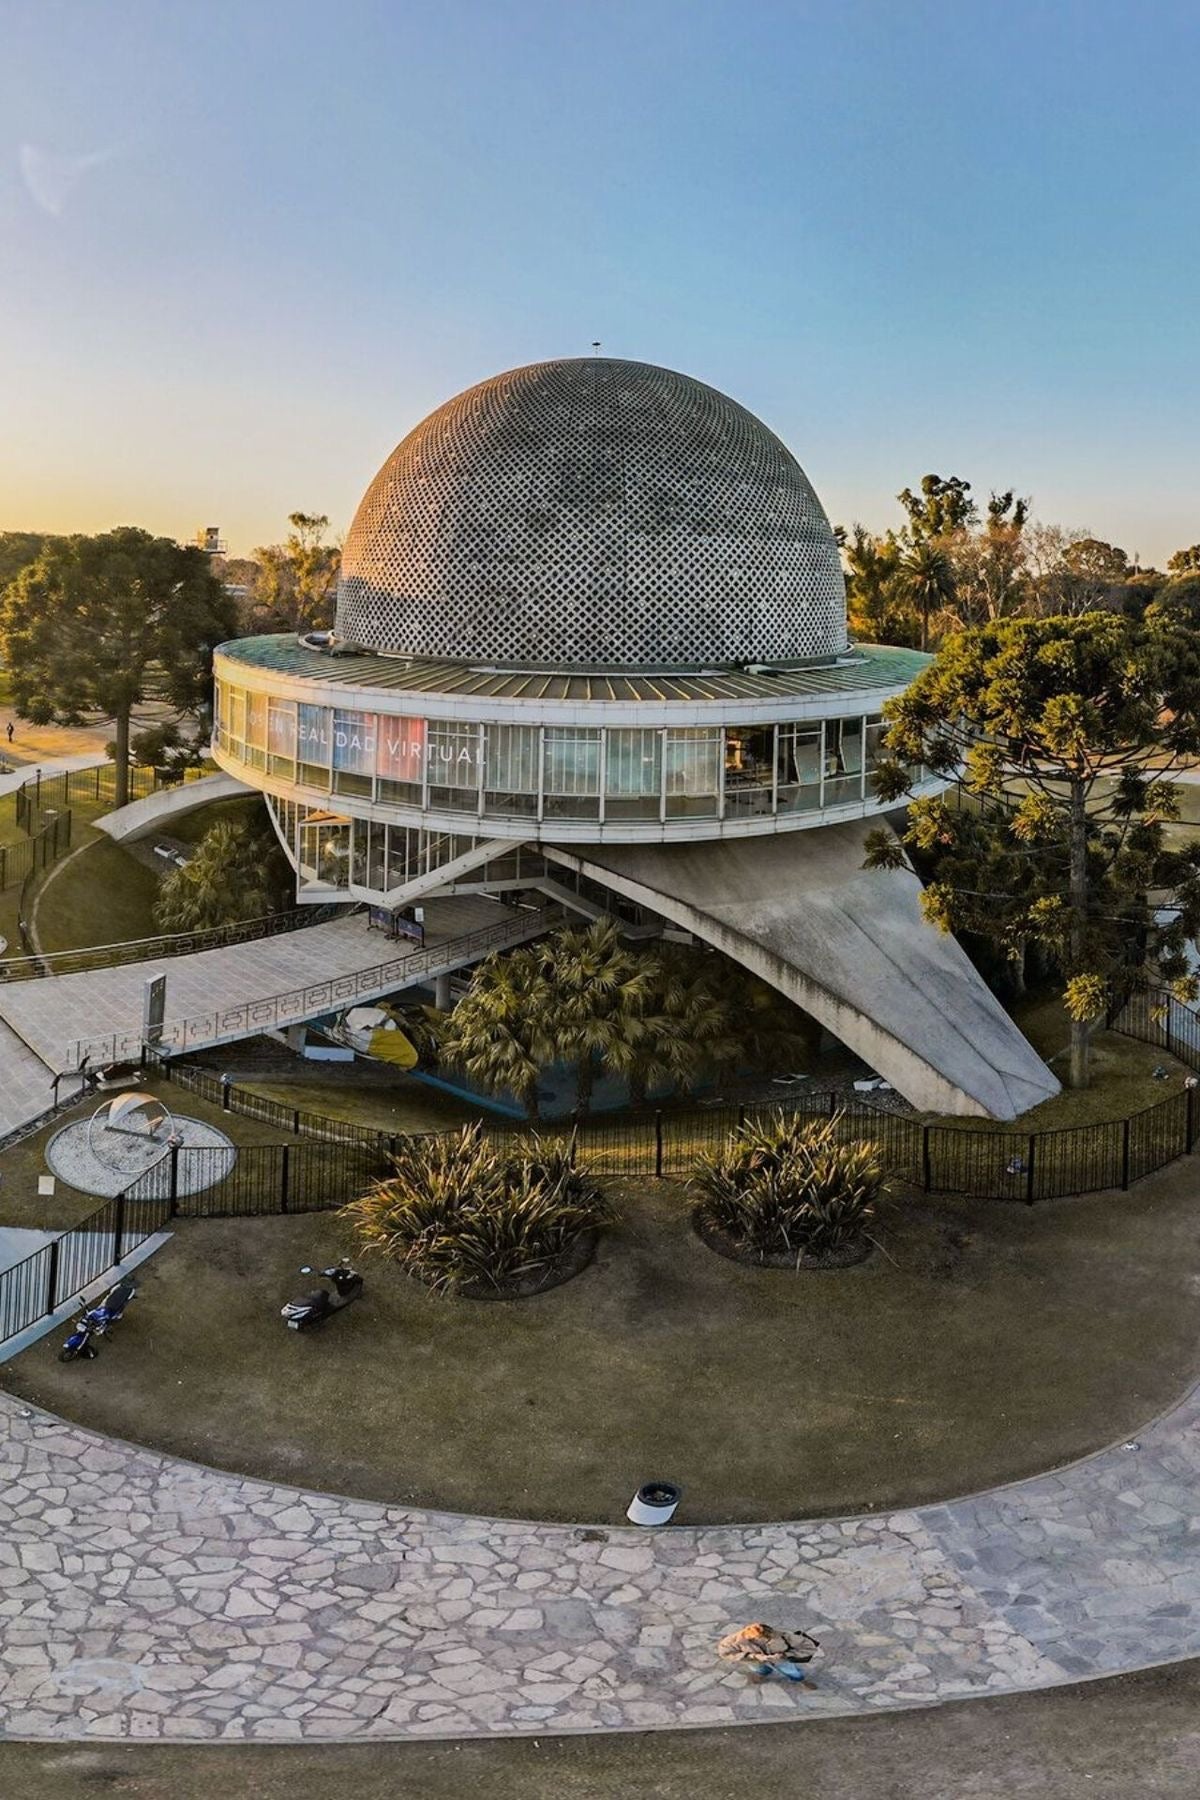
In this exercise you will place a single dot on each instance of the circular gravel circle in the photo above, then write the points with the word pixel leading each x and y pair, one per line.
pixel 70 1158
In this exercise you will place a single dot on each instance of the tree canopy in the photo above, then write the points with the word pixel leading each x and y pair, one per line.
pixel 661 1013
pixel 238 871
pixel 88 626
pixel 1068 731
pixel 295 584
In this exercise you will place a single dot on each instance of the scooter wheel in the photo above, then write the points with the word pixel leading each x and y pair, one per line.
pixel 69 1352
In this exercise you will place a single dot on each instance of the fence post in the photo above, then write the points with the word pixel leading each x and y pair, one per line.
pixel 118 1228
pixel 741 1118
pixel 658 1144
pixel 926 1166
pixel 226 1084
pixel 1125 1154
pixel 173 1195
pixel 52 1276
pixel 1191 1116
pixel 833 1102
pixel 284 1176
pixel 295 1121
pixel 1029 1161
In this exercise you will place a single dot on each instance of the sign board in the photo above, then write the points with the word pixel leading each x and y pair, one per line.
pixel 154 1008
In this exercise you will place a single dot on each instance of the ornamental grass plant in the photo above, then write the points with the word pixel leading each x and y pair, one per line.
pixel 465 1215
pixel 785 1188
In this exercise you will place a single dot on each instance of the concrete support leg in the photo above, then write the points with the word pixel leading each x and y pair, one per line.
pixel 295 1037
pixel 441 993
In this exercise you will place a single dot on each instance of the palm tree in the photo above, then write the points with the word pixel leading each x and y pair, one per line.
pixel 237 871
pixel 928 576
pixel 496 1034
pixel 598 992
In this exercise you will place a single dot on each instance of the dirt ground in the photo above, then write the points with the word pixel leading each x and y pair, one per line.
pixel 984 1342
pixel 1133 1738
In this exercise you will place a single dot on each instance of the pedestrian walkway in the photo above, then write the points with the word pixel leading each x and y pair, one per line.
pixel 218 996
pixel 26 1082
pixel 12 779
pixel 147 1598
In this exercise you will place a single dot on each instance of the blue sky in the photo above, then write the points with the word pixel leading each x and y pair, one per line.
pixel 245 247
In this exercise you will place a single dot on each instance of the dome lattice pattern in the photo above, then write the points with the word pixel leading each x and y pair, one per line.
pixel 597 513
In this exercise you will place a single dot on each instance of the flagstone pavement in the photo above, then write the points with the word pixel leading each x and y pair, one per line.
pixel 143 1597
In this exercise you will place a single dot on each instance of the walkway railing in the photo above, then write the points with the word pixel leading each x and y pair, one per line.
pixel 272 1013
pixel 177 943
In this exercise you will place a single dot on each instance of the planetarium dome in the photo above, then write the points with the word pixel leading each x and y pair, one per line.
pixel 593 513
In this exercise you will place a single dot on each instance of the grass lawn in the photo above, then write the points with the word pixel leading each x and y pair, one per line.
pixel 100 894
pixel 1096 1740
pixel 1122 1075
pixel 992 1341
pixel 402 1105
pixel 96 894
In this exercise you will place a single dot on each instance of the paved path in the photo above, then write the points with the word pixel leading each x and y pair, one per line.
pixel 145 1597
pixel 51 1015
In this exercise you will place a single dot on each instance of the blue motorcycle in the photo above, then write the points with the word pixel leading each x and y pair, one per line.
pixel 98 1321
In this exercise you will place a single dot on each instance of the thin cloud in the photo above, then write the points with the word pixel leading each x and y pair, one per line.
pixel 51 178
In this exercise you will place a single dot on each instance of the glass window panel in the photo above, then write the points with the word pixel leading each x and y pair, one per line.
pixel 693 770
pixel 325 852
pixel 256 720
pixel 512 759
pixel 453 756
pixel 572 760
pixel 749 756
pixel 846 746
pixel 281 729
pixel 800 766
pixel 314 738
pixel 400 755
pixel 633 764
pixel 354 742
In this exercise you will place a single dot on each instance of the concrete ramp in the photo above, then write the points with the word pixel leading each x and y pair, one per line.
pixel 847 944
pixel 155 811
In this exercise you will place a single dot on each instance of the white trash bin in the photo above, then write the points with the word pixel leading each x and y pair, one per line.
pixel 654 1503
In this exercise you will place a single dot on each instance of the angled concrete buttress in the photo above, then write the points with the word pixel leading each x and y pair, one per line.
pixel 847 944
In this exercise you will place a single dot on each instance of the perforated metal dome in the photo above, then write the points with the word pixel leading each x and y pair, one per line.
pixel 596 513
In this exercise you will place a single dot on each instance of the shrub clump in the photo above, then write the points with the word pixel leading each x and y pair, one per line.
pixel 785 1190
pixel 466 1217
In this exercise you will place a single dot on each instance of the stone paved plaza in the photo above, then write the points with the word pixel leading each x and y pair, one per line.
pixel 143 1597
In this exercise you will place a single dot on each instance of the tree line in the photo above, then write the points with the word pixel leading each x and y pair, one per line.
pixel 953 564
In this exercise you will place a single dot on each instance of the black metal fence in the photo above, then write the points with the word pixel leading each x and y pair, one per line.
pixel 203 1182
pixel 50 836
pixel 198 1182
pixel 80 787
pixel 62 1269
pixel 983 1163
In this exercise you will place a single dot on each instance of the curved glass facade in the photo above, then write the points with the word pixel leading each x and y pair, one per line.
pixel 535 772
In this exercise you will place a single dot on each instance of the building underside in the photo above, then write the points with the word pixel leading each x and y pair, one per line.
pixel 848 945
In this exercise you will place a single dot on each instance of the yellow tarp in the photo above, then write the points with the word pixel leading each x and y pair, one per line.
pixel 391 1046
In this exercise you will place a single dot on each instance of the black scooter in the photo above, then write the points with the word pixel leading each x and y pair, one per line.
pixel 314 1308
